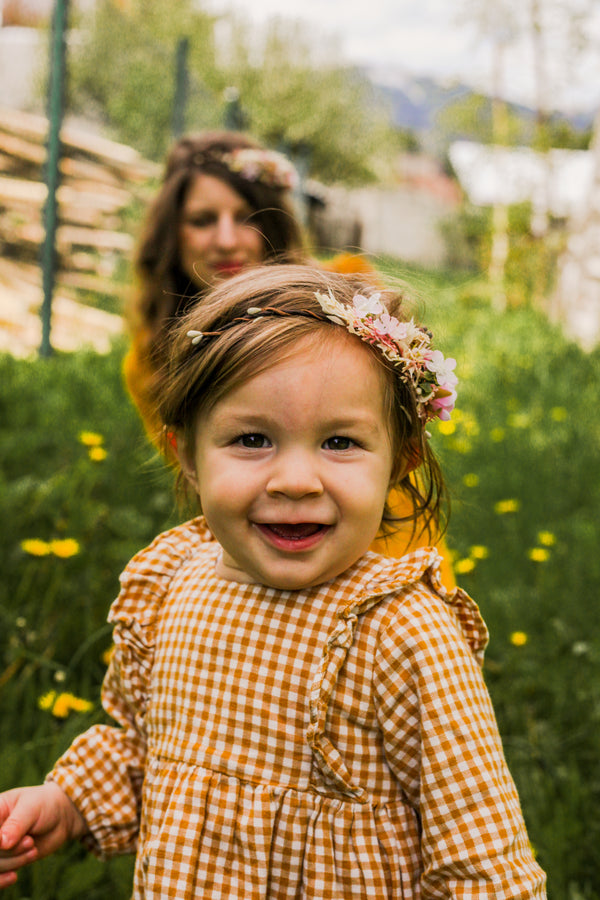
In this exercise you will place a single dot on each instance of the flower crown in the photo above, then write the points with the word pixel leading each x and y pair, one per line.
pixel 405 344
pixel 269 167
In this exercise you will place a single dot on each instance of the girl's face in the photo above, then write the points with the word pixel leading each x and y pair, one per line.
pixel 216 236
pixel 293 466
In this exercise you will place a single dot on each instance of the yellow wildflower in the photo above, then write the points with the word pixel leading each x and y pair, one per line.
pixel 519 638
pixel 469 423
pixel 546 538
pixel 65 548
pixel 448 427
pixel 539 554
pixel 497 434
pixel 471 479
pixel 90 439
pixel 60 705
pixel 46 700
pixel 478 551
pixel 558 413
pixel 462 445
pixel 464 566
pixel 506 506
pixel 108 654
pixel 35 547
pixel 519 420
pixel 97 454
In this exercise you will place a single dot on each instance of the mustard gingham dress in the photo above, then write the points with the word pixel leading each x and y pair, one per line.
pixel 334 742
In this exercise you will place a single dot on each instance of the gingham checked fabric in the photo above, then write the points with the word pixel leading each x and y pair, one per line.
pixel 335 742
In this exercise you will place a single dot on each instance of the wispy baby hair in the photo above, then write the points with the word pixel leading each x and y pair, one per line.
pixel 250 322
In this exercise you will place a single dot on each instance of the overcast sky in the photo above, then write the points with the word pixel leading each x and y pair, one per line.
pixel 420 37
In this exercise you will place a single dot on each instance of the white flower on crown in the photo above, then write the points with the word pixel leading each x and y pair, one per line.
pixel 368 306
pixel 442 368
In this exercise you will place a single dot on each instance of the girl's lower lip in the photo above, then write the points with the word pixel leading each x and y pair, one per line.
pixel 291 544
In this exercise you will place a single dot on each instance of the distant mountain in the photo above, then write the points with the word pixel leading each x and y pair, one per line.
pixel 415 102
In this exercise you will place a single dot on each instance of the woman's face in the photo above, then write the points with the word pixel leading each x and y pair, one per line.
pixel 217 237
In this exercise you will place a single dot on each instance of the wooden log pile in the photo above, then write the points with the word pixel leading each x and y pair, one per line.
pixel 99 181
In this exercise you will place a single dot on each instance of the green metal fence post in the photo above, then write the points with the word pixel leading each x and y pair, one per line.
pixel 55 103
pixel 181 87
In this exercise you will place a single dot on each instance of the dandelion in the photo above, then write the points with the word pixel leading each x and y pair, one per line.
pixel 502 507
pixel 558 413
pixel 471 480
pixel 519 420
pixel 539 554
pixel 97 454
pixel 546 538
pixel 478 551
pixel 35 547
pixel 497 435
pixel 90 439
pixel 519 638
pixel 60 705
pixel 464 566
pixel 65 548
pixel 446 428
pixel 60 675
pixel 462 445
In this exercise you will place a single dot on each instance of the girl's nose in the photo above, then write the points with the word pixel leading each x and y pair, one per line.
pixel 294 475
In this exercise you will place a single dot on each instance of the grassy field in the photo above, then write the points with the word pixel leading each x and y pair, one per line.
pixel 81 491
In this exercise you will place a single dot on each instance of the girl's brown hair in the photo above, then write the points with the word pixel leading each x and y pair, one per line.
pixel 238 346
pixel 165 291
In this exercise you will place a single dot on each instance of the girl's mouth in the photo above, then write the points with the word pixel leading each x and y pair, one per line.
pixel 297 536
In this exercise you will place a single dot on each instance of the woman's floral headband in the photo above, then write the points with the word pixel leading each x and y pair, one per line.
pixel 405 344
pixel 254 164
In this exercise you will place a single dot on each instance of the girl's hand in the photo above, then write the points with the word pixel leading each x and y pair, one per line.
pixel 34 822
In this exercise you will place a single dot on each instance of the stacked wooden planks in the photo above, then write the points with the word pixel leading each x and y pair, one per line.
pixel 99 182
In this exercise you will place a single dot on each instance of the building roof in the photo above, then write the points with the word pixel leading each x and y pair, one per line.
pixel 558 182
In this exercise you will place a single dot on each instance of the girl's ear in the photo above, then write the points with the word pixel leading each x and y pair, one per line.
pixel 185 459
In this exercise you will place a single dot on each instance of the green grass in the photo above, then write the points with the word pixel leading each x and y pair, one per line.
pixel 526 431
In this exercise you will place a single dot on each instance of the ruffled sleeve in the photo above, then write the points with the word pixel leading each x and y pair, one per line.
pixel 103 770
pixel 442 743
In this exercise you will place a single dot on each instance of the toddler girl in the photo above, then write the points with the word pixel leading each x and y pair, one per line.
pixel 298 716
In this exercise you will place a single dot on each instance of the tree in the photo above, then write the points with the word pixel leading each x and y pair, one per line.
pixel 294 92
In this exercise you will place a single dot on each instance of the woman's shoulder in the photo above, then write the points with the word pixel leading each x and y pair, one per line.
pixel 146 578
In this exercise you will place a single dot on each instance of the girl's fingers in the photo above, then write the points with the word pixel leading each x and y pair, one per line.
pixel 10 864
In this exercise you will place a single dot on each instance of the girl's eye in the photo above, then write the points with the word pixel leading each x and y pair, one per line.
pixel 253 441
pixel 338 443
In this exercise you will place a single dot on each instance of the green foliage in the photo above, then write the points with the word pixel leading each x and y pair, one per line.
pixel 523 470
pixel 123 67
pixel 88 516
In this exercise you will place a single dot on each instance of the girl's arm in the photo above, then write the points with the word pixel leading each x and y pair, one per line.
pixel 103 770
pixel 443 745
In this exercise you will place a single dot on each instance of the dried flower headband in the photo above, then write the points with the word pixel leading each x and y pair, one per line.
pixel 268 167
pixel 406 345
